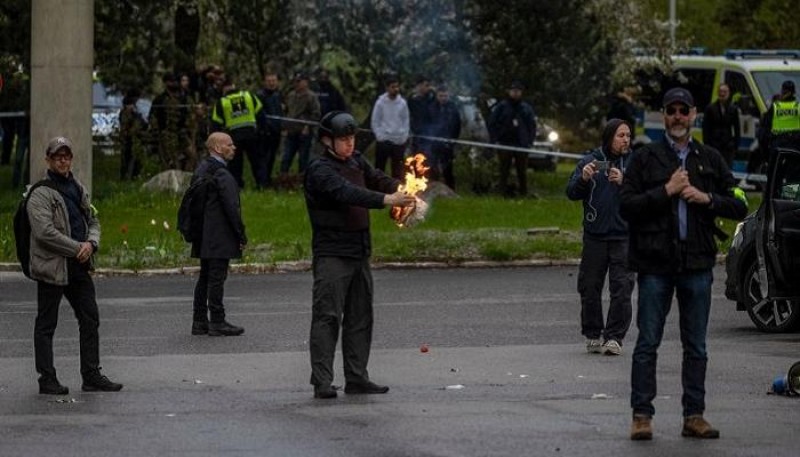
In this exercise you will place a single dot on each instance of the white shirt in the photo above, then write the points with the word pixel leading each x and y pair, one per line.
pixel 390 119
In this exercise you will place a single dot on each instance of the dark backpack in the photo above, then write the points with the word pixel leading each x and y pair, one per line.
pixel 22 227
pixel 191 213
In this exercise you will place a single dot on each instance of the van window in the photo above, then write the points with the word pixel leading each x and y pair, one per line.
pixel 741 93
pixel 769 82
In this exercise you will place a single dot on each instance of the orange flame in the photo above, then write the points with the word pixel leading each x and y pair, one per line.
pixel 415 183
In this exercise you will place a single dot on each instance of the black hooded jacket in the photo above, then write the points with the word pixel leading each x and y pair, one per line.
pixel 601 202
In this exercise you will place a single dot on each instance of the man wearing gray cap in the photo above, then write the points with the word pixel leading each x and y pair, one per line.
pixel 674 189
pixel 65 234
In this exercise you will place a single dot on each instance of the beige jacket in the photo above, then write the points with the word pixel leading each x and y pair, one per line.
pixel 51 244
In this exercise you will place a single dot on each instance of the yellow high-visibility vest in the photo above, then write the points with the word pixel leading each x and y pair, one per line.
pixel 786 117
pixel 239 110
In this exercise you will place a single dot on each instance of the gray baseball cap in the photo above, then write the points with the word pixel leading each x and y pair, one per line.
pixel 57 144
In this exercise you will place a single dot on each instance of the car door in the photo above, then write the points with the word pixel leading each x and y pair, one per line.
pixel 780 225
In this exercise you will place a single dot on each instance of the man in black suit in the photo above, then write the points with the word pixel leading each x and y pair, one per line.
pixel 721 128
pixel 223 239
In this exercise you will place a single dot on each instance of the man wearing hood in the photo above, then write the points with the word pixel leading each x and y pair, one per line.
pixel 597 180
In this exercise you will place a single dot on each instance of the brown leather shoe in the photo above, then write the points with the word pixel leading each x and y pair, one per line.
pixel 641 428
pixel 697 427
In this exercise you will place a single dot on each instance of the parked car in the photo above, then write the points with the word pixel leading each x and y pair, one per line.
pixel 763 263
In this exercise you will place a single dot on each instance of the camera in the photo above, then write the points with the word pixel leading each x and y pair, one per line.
pixel 601 165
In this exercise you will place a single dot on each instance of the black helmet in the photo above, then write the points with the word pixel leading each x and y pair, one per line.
pixel 337 124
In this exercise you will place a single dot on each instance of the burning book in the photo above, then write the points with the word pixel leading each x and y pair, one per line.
pixel 415 183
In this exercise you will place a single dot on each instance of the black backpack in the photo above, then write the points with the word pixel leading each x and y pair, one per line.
pixel 191 213
pixel 22 227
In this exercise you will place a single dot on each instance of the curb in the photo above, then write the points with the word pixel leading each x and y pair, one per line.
pixel 305 265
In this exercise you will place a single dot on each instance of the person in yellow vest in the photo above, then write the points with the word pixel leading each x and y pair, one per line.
pixel 781 126
pixel 237 114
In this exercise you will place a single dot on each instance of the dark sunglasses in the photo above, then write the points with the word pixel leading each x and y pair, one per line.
pixel 670 110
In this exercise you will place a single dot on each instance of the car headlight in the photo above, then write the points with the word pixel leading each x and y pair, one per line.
pixel 552 136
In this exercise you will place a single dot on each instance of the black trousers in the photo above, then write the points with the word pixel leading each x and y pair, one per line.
pixel 209 290
pixel 342 296
pixel 598 258
pixel 270 145
pixel 520 163
pixel 80 294
pixel 386 150
pixel 443 157
pixel 250 146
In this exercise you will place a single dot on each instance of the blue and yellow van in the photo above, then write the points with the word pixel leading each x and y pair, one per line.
pixel 754 76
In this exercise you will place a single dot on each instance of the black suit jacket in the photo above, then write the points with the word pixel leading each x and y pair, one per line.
pixel 223 228
pixel 721 131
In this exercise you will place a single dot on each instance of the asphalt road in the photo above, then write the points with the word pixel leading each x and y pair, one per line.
pixel 509 337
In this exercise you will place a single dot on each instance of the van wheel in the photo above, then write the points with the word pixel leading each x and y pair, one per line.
pixel 772 316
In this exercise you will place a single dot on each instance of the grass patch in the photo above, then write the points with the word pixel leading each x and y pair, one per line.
pixel 138 228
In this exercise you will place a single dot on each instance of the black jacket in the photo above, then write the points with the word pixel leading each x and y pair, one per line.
pixel 721 130
pixel 223 228
pixel 653 216
pixel 512 123
pixel 339 195
pixel 600 197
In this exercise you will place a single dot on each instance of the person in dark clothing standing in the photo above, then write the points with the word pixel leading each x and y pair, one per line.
pixel 445 122
pixel 329 97
pixel 721 129
pixel 65 234
pixel 168 123
pixel 596 180
pixel 340 188
pixel 272 100
pixel 237 114
pixel 674 190
pixel 132 127
pixel 780 126
pixel 419 105
pixel 513 123
pixel 223 239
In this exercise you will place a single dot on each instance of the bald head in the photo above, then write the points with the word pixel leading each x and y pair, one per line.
pixel 221 145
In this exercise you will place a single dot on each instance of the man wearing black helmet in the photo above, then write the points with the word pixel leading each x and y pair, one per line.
pixel 340 188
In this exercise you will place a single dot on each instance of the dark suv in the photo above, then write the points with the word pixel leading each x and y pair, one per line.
pixel 763 263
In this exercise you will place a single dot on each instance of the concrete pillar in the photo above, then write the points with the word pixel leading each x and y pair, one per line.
pixel 62 60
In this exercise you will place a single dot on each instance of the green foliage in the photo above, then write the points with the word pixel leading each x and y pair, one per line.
pixel 555 48
pixel 133 41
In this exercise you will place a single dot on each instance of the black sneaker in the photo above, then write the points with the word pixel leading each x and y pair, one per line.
pixel 224 328
pixel 368 387
pixel 324 392
pixel 51 386
pixel 100 383
pixel 199 328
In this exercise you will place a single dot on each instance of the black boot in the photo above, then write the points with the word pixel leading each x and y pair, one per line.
pixel 51 386
pixel 97 382
pixel 224 328
pixel 368 387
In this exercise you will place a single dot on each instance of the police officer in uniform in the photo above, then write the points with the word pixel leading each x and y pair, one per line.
pixel 340 188
pixel 781 126
pixel 236 114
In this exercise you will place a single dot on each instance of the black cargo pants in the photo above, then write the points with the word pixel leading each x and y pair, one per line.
pixel 342 296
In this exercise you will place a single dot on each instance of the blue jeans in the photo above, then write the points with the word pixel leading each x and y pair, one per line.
pixel 693 290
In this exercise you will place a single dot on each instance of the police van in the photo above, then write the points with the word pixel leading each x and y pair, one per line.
pixel 754 77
